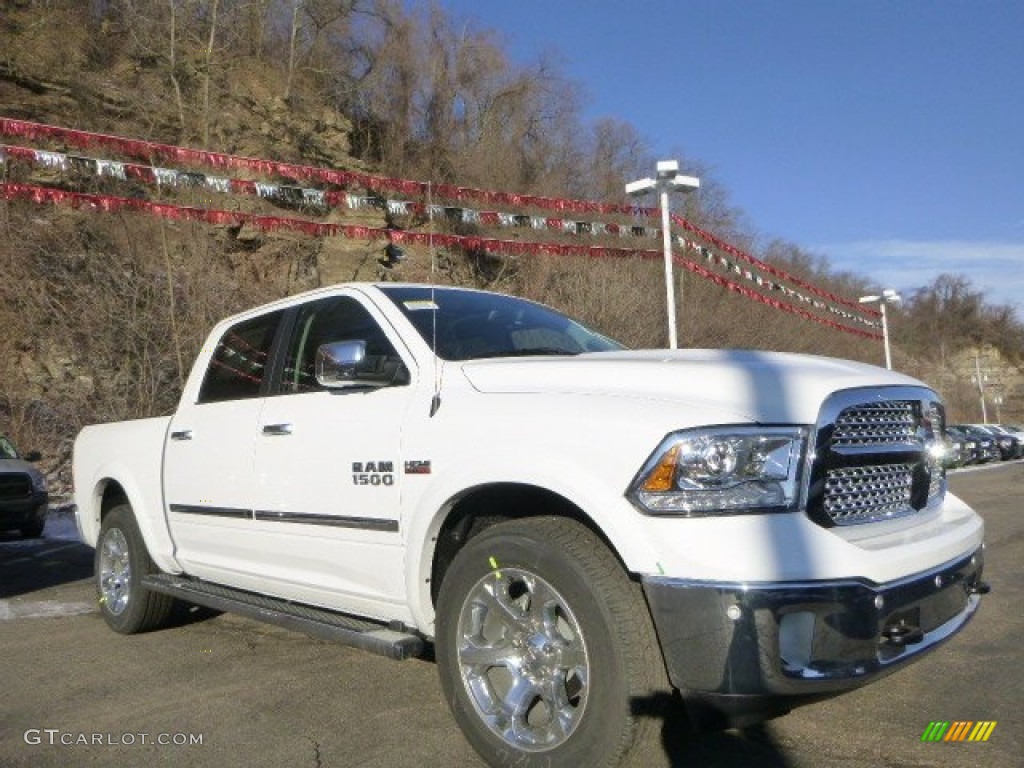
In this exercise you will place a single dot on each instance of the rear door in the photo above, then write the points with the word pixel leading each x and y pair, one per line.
pixel 208 461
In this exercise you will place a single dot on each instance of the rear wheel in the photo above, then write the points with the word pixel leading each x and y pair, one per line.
pixel 545 647
pixel 121 562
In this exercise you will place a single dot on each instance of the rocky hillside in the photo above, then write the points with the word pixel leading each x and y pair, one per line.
pixel 103 312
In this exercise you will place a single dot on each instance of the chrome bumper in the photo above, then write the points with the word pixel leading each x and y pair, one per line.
pixel 740 653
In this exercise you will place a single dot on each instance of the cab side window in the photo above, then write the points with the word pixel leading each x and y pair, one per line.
pixel 339 318
pixel 241 359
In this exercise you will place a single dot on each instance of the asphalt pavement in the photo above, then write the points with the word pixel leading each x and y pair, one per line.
pixel 227 691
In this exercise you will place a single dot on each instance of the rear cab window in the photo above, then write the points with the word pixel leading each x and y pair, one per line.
pixel 241 360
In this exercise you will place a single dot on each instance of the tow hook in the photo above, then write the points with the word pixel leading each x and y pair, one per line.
pixel 901 633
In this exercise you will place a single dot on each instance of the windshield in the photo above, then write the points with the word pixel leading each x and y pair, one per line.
pixel 7 449
pixel 475 324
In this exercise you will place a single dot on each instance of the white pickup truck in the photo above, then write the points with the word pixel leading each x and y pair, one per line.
pixel 577 528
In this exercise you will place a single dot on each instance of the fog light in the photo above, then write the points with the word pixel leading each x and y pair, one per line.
pixel 733 612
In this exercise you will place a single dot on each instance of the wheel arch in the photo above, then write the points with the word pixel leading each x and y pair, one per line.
pixel 110 494
pixel 477 508
pixel 110 491
pixel 104 494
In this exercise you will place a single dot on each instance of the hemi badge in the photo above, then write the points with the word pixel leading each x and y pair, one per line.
pixel 417 467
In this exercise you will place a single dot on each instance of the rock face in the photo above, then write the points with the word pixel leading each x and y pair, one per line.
pixel 253 119
pixel 102 314
pixel 65 66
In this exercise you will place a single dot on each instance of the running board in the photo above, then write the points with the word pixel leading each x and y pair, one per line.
pixel 393 641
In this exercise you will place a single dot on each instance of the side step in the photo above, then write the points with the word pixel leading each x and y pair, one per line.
pixel 395 643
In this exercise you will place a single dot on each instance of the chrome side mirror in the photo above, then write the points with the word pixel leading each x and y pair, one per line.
pixel 345 364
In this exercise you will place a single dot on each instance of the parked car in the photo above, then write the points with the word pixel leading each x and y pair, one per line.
pixel 1009 446
pixel 23 494
pixel 970 449
pixel 957 453
pixel 1014 429
pixel 988 448
pixel 1017 437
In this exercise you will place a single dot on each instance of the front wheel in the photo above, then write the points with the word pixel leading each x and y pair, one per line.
pixel 121 562
pixel 545 647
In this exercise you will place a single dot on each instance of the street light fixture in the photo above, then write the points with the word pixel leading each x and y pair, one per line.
pixel 668 179
pixel 888 296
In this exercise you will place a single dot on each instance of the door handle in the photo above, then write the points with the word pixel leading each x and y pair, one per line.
pixel 181 434
pixel 274 430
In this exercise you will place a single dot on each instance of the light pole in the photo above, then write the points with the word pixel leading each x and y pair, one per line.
pixel 888 296
pixel 668 179
pixel 980 378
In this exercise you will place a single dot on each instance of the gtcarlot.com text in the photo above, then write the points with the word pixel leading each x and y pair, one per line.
pixel 55 737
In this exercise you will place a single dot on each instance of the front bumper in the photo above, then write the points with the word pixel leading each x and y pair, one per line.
pixel 741 653
pixel 18 513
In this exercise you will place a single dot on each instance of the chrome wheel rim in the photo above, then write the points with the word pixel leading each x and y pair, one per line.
pixel 523 659
pixel 115 571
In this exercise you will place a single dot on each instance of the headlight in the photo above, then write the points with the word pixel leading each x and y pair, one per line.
pixel 722 470
pixel 38 481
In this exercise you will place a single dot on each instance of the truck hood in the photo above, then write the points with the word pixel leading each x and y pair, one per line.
pixel 746 385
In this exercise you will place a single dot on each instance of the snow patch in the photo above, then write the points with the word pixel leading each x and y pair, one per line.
pixel 45 609
pixel 60 525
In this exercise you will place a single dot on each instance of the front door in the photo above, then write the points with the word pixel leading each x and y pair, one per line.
pixel 328 468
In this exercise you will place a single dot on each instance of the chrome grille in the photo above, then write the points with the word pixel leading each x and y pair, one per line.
pixel 869 493
pixel 874 456
pixel 885 423
pixel 937 483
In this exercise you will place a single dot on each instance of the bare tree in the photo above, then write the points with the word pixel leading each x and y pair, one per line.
pixel 208 71
pixel 293 37
pixel 173 63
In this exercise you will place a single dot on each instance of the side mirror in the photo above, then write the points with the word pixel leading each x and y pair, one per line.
pixel 345 364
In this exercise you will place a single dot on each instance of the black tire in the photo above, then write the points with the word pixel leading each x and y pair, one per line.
pixel 120 563
pixel 33 530
pixel 537 612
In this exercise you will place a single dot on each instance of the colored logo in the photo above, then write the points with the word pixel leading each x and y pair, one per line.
pixel 958 730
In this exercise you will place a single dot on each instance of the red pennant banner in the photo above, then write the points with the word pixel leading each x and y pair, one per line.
pixel 110 204
pixel 152 150
pixel 719 243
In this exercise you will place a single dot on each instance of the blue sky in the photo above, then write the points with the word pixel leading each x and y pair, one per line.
pixel 885 135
